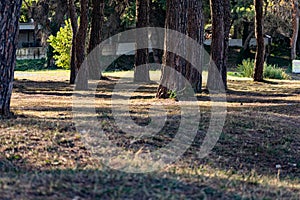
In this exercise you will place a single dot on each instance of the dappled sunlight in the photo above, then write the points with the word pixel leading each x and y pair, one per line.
pixel 42 143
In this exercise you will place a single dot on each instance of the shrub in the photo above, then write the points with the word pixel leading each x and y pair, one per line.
pixel 62 43
pixel 30 64
pixel 246 69
pixel 274 72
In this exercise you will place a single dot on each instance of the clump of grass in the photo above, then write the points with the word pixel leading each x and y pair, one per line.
pixel 246 69
pixel 172 94
pixel 274 72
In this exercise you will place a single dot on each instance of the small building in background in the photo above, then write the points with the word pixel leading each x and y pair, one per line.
pixel 29 43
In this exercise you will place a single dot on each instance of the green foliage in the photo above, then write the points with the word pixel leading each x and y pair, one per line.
pixel 30 64
pixel 25 10
pixel 246 69
pixel 274 72
pixel 161 3
pixel 128 17
pixel 243 10
pixel 172 94
pixel 62 43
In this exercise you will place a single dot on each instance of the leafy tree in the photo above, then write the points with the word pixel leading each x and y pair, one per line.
pixel 242 17
pixel 128 16
pixel 49 15
pixel 9 17
pixel 62 45
pixel 27 10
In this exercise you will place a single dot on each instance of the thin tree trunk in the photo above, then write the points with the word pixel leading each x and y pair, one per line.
pixel 246 31
pixel 235 31
pixel 295 30
pixel 74 24
pixel 82 76
pixel 244 51
pixel 141 72
pixel 260 50
pixel 9 23
pixel 227 27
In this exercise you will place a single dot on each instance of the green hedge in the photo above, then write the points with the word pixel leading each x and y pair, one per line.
pixel 31 65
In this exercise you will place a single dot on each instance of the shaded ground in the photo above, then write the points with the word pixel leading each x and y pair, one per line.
pixel 42 156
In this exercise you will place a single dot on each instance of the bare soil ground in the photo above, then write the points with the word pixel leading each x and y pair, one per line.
pixel 43 156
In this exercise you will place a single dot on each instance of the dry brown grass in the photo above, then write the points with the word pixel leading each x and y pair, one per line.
pixel 42 155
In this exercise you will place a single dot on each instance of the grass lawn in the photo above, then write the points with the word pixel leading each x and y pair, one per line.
pixel 42 156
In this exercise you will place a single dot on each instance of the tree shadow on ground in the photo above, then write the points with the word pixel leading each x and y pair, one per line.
pixel 110 184
pixel 40 151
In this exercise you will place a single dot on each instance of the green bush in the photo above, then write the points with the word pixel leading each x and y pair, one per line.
pixel 274 72
pixel 246 69
pixel 62 43
pixel 30 64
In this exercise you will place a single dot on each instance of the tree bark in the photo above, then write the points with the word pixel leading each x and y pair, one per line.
pixel 141 71
pixel 9 23
pixel 185 17
pixel 97 23
pixel 155 11
pixel 217 72
pixel 260 47
pixel 227 27
pixel 82 76
pixel 175 20
pixel 295 30
pixel 195 30
pixel 74 24
pixel 96 36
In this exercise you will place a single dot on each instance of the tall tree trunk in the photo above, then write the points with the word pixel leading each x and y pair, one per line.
pixel 97 23
pixel 82 76
pixel 259 34
pixel 175 20
pixel 74 24
pixel 295 30
pixel 141 71
pixel 9 23
pixel 227 27
pixel 195 30
pixel 217 72
pixel 246 31
pixel 156 22
pixel 185 17
pixel 96 36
